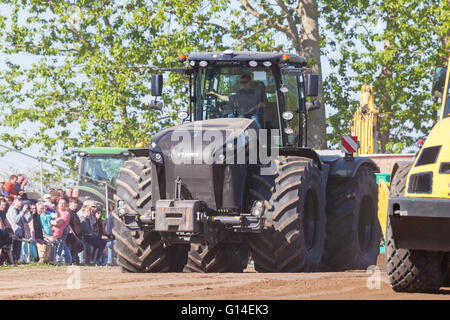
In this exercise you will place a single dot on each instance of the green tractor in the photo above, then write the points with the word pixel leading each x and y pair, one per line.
pixel 236 178
pixel 98 171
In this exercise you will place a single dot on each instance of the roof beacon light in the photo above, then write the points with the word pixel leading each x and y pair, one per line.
pixel 182 57
pixel 285 57
pixel 420 143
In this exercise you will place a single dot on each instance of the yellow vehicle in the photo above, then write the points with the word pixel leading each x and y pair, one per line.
pixel 365 122
pixel 418 212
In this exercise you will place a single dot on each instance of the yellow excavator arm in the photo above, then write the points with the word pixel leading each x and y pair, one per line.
pixel 365 122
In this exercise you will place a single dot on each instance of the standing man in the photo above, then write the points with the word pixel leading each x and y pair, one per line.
pixel 109 225
pixel 60 220
pixel 14 217
pixel 46 219
pixel 76 195
pixel 20 185
pixel 3 210
pixel 42 245
pixel 68 193
pixel 88 232
pixel 74 223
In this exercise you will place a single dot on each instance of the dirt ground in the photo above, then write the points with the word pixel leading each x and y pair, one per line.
pixel 47 282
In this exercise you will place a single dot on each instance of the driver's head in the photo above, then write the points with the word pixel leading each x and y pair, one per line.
pixel 245 80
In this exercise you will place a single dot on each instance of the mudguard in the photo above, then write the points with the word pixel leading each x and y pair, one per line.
pixel 347 168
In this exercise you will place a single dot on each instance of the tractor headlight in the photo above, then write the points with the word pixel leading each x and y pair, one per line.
pixel 257 209
pixel 156 154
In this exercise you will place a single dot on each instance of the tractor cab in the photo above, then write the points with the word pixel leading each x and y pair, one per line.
pixel 99 167
pixel 269 88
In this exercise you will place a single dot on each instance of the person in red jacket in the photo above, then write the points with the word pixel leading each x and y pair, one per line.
pixel 9 186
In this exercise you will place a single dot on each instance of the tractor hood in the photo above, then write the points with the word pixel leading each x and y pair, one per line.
pixel 205 155
pixel 203 141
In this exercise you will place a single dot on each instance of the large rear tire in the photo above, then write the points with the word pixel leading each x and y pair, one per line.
pixel 141 250
pixel 225 257
pixel 411 270
pixel 295 216
pixel 353 230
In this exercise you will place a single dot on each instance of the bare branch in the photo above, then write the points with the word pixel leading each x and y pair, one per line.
pixel 294 32
pixel 264 20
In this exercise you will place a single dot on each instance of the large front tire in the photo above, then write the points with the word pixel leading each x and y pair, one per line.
pixel 295 216
pixel 141 250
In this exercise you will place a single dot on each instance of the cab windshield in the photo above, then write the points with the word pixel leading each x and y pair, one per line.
pixel 104 168
pixel 228 92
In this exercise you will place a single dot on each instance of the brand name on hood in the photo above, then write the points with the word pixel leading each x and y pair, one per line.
pixel 188 155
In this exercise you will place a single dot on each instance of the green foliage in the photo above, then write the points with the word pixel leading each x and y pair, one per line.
pixel 86 84
pixel 393 45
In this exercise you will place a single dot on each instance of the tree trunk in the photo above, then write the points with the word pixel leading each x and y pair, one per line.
pixel 307 10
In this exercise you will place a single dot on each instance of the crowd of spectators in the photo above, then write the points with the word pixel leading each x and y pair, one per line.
pixel 58 229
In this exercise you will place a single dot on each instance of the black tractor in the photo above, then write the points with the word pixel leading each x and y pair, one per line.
pixel 236 179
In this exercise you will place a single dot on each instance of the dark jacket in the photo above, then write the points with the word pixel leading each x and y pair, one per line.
pixel 38 234
pixel 98 228
pixel 74 223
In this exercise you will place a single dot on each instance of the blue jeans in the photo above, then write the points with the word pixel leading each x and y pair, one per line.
pixel 60 247
pixel 29 252
pixel 85 255
pixel 110 246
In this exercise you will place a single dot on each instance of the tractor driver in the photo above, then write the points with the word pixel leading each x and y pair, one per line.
pixel 246 102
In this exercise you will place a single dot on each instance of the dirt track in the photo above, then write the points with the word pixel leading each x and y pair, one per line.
pixel 43 282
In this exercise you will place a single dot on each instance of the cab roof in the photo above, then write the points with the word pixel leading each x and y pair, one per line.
pixel 274 57
pixel 100 150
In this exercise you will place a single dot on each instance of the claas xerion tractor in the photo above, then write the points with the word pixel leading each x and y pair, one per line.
pixel 237 179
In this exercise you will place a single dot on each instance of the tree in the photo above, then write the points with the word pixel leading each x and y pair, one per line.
pixel 393 45
pixel 256 25
pixel 87 84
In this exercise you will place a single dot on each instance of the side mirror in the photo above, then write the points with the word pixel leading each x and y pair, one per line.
pixel 310 106
pixel 312 85
pixel 157 85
